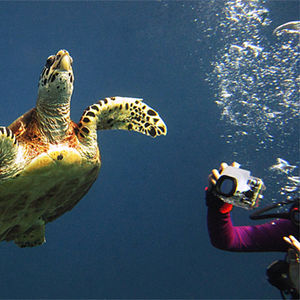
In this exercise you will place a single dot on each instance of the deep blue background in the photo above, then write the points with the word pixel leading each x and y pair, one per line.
pixel 141 230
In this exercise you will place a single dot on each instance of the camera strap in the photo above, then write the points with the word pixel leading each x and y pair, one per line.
pixel 261 213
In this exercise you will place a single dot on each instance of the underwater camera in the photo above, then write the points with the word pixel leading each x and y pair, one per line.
pixel 237 187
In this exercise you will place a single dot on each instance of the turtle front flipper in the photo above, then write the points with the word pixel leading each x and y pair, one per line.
pixel 34 236
pixel 121 113
pixel 9 150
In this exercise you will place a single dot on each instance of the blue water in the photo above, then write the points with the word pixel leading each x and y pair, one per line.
pixel 141 230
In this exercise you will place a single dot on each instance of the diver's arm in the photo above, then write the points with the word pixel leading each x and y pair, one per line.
pixel 225 236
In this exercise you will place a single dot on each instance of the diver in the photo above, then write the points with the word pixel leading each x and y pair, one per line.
pixel 231 186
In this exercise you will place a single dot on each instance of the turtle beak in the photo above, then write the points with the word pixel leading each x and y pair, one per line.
pixel 64 61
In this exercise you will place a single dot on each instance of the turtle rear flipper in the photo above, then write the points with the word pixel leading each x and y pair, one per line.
pixel 9 149
pixel 120 113
pixel 34 236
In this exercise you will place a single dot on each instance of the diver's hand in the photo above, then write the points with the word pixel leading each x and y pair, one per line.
pixel 293 242
pixel 293 260
pixel 215 174
pixel 211 198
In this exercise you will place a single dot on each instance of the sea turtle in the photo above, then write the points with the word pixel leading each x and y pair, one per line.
pixel 48 162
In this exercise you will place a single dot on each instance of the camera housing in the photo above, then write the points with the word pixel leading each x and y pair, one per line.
pixel 237 187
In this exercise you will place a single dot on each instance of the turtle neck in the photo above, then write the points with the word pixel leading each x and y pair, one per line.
pixel 53 117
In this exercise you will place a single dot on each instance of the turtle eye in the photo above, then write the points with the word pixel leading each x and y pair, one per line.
pixel 50 61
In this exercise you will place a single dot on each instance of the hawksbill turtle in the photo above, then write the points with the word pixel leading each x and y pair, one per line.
pixel 48 162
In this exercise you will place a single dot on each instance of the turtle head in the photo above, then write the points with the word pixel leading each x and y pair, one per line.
pixel 56 80
pixel 54 96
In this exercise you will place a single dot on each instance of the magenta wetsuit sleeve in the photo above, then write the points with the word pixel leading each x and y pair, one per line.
pixel 264 237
